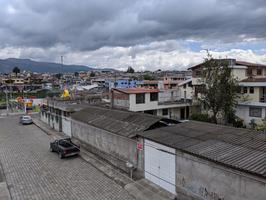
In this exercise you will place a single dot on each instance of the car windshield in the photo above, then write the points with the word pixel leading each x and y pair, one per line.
pixel 26 117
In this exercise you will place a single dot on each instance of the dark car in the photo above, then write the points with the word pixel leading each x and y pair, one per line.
pixel 26 119
pixel 64 147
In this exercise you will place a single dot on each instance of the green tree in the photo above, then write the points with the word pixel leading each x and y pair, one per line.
pixel 148 77
pixel 130 70
pixel 76 74
pixel 219 89
pixel 261 126
pixel 16 70
pixel 92 74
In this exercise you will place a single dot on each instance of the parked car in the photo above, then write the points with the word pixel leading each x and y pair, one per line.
pixel 25 120
pixel 64 147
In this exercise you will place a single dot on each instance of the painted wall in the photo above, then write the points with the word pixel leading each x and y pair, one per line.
pixel 113 148
pixel 186 92
pixel 66 125
pixel 210 181
pixel 239 74
pixel 169 95
pixel 243 113
pixel 148 105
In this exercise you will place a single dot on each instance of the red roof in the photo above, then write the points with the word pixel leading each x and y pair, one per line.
pixel 135 90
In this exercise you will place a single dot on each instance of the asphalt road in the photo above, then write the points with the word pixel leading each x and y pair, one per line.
pixel 32 172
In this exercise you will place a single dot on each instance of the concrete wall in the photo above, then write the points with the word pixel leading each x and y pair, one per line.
pixel 44 117
pixel 210 181
pixel 66 125
pixel 113 148
pixel 173 113
pixel 169 95
pixel 148 105
pixel 239 73
pixel 188 91
pixel 243 113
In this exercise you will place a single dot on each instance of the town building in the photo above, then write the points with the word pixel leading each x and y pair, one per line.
pixel 252 80
pixel 206 161
pixel 111 134
pixel 166 103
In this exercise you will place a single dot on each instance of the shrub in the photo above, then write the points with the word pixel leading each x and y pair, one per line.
pixel 200 117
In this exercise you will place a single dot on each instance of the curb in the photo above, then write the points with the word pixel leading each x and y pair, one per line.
pixel 40 127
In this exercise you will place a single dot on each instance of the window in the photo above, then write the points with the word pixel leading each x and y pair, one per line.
pixel 249 71
pixel 239 89
pixel 165 111
pixel 259 71
pixel 140 98
pixel 245 90
pixel 184 86
pixel 254 112
pixel 198 73
pixel 154 96
pixel 251 90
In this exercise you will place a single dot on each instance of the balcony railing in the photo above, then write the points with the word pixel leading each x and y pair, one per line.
pixel 263 98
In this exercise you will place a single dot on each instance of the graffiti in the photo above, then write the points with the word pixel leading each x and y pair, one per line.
pixel 209 195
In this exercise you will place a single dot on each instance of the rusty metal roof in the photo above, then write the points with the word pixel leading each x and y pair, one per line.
pixel 241 149
pixel 120 122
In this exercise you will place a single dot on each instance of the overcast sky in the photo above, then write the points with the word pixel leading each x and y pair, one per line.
pixel 145 34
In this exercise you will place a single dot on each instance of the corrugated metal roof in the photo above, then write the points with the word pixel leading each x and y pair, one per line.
pixel 120 122
pixel 240 149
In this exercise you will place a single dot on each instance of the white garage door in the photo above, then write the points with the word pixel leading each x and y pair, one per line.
pixel 160 165
pixel 66 126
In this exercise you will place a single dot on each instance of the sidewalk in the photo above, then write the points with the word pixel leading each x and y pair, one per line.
pixel 141 189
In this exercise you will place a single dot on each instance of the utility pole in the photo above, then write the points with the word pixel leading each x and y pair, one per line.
pixel 62 64
pixel 6 101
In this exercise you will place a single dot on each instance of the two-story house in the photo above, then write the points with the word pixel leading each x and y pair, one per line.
pixel 166 103
pixel 252 80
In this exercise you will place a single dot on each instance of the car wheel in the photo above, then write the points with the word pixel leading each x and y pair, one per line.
pixel 51 149
pixel 60 155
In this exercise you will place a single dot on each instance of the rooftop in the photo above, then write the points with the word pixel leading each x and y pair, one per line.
pixel 257 80
pixel 135 90
pixel 124 123
pixel 241 149
pixel 242 63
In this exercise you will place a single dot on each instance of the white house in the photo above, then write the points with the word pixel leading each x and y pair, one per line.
pixel 252 79
pixel 166 103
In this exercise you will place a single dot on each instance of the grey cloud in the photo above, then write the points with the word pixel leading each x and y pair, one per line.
pixel 88 25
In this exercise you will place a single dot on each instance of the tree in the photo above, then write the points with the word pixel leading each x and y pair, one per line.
pixel 92 74
pixel 76 74
pixel 148 77
pixel 130 70
pixel 261 126
pixel 219 89
pixel 16 70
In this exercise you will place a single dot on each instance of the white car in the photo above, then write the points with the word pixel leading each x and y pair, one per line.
pixel 26 119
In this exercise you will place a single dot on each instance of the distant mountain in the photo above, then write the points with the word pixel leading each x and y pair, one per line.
pixel 7 65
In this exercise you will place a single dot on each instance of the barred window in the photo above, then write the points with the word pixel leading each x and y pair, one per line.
pixel 251 90
pixel 154 96
pixel 255 112
pixel 140 98
pixel 165 111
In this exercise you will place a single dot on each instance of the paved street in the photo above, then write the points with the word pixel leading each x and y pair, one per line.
pixel 32 172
